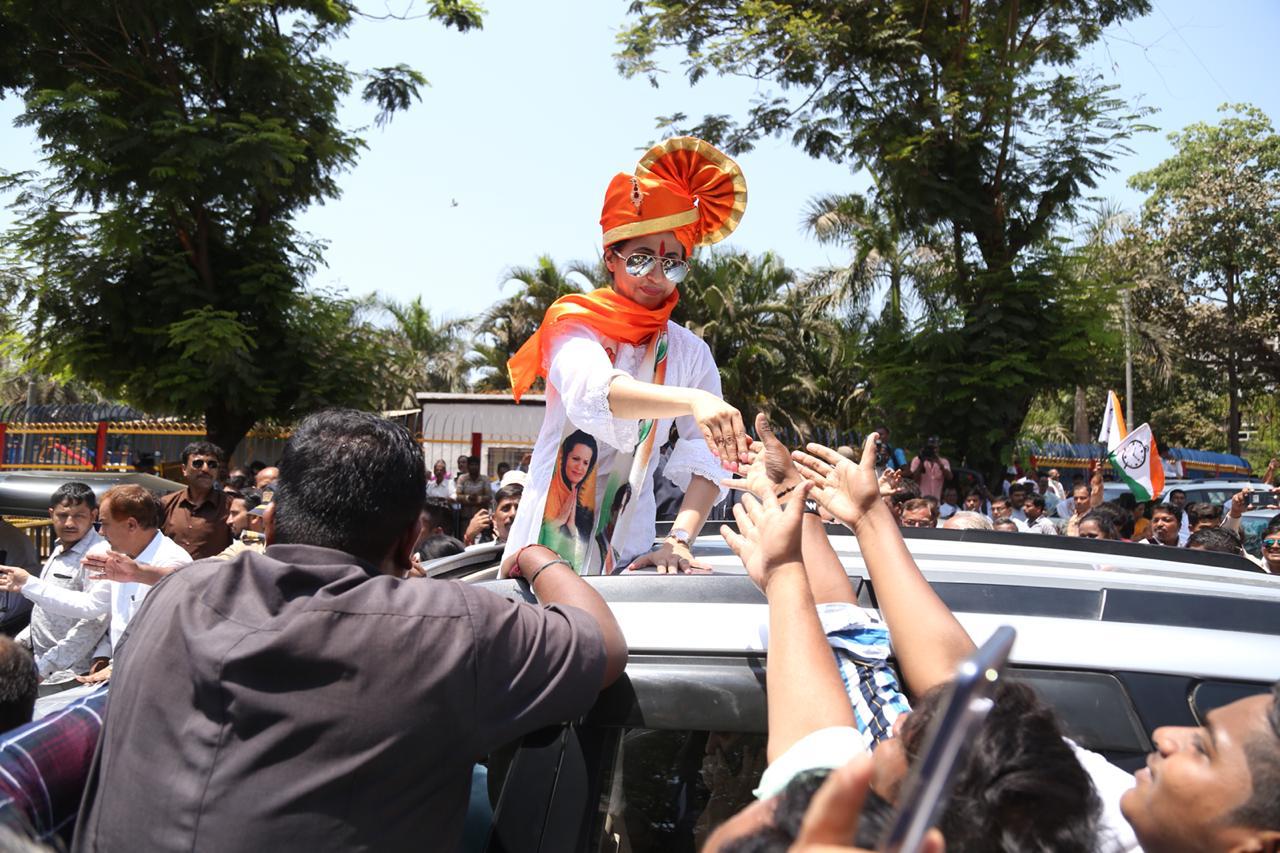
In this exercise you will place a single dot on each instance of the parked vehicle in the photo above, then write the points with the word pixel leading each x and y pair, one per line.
pixel 1120 638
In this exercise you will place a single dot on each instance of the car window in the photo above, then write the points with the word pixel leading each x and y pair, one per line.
pixel 667 790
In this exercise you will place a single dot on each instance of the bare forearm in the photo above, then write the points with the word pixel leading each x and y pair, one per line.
pixel 805 691
pixel 827 578
pixel 928 640
pixel 631 398
pixel 698 500
pixel 559 584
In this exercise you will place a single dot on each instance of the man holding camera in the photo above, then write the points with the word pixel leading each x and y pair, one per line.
pixel 930 470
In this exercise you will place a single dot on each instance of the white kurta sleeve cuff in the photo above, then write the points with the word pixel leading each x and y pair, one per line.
pixel 692 458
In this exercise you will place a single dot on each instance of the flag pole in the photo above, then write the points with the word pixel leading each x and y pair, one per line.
pixel 1128 362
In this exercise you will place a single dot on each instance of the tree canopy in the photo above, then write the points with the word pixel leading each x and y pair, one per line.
pixel 975 129
pixel 156 256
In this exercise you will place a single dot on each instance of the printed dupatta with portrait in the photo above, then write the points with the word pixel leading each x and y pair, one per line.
pixel 581 520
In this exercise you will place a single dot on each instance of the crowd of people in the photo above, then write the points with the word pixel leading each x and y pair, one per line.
pixel 925 493
pixel 240 695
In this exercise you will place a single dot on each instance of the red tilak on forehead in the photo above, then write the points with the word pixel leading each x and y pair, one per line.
pixel 662 247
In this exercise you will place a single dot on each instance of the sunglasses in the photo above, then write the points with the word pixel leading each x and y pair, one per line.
pixel 1271 543
pixel 639 265
pixel 201 463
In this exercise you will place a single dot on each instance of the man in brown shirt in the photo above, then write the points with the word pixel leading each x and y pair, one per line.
pixel 312 697
pixel 197 518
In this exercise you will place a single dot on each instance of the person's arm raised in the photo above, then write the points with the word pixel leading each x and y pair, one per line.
pixel 805 692
pixel 554 582
pixel 720 423
pixel 928 640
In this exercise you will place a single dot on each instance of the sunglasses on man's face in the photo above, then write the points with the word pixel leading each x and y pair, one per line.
pixel 640 264
pixel 211 464
pixel 1271 543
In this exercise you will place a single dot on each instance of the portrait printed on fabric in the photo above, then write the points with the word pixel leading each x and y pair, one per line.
pixel 616 498
pixel 568 522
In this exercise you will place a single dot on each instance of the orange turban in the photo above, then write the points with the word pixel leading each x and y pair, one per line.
pixel 683 185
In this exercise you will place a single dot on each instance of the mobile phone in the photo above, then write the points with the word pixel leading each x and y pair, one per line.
pixel 947 743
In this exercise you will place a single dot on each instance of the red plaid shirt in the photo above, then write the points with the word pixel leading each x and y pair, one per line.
pixel 44 765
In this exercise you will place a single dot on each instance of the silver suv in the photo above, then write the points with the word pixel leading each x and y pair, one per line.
pixel 1121 638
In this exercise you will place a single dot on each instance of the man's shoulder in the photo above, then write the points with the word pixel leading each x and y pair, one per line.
pixel 170 554
pixel 172 498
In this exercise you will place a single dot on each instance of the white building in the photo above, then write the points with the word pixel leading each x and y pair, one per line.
pixel 492 426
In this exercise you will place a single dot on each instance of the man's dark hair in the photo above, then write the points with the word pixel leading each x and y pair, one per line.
pixel 238 480
pixel 778 835
pixel 1000 499
pixel 1018 487
pixel 1168 509
pixel 1262 752
pixel 1121 518
pixel 437 516
pixel 351 481
pixel 1218 539
pixel 1199 512
pixel 19 683
pixel 1273 526
pixel 507 492
pixel 1022 787
pixel 440 545
pixel 907 490
pixel 473 460
pixel 251 498
pixel 1037 500
pixel 1173 492
pixel 1105 521
pixel 201 448
pixel 74 494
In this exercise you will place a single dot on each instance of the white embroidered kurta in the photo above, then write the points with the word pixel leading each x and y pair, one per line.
pixel 578 376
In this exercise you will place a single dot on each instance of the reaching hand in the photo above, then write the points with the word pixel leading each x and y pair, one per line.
pixel 845 490
pixel 722 428
pixel 831 822
pixel 1240 501
pixel 768 536
pixel 890 481
pixel 112 566
pixel 97 676
pixel 12 578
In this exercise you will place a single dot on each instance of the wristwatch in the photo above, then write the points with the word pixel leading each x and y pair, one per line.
pixel 680 536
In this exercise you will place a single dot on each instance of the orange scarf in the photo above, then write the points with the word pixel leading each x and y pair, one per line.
pixel 605 311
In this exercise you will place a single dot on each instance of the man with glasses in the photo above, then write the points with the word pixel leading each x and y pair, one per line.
pixel 198 517
pixel 1271 547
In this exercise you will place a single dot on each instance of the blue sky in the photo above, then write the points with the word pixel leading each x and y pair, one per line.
pixel 526 121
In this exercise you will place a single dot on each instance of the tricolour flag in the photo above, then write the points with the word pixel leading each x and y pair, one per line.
pixel 1113 428
pixel 1137 461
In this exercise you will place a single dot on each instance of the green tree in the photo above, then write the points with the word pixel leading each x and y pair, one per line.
pixel 778 342
pixel 430 354
pixel 969 117
pixel 157 257
pixel 508 323
pixel 1213 216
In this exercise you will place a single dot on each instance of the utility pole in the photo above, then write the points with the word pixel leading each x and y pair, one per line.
pixel 1128 363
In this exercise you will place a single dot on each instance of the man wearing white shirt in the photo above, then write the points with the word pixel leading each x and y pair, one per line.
pixel 61 645
pixel 122 569
pixel 1053 485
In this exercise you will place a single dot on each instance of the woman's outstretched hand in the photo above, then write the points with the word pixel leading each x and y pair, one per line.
pixel 845 490
pixel 722 428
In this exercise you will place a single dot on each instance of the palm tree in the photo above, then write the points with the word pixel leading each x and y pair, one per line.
pixel 885 258
pixel 431 352
pixel 508 323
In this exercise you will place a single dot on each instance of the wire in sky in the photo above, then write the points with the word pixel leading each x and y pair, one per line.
pixel 1178 33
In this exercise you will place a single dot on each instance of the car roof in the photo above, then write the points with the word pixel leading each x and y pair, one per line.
pixel 1092 605
pixel 28 492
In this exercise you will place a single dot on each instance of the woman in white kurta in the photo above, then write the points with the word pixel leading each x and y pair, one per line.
pixel 618 369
